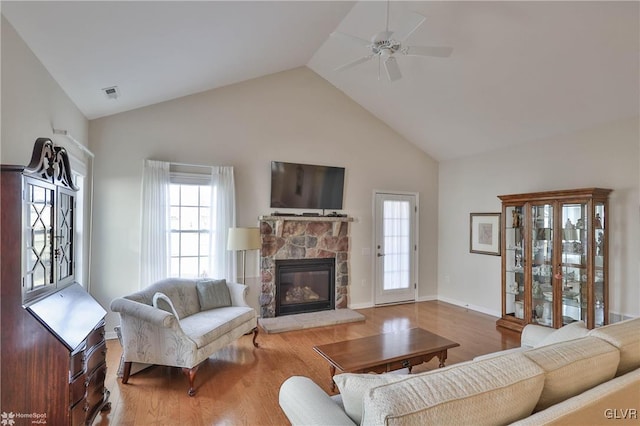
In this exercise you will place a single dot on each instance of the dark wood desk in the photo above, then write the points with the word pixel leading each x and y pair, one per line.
pixel 385 352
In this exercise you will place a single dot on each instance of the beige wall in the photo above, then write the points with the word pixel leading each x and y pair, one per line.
pixel 291 116
pixel 32 105
pixel 605 156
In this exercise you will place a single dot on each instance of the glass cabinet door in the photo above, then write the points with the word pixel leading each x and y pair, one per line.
pixel 542 268
pixel 514 269
pixel 38 245
pixel 599 275
pixel 64 233
pixel 573 262
pixel 48 239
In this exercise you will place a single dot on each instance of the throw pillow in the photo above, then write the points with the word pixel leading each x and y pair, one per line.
pixel 162 301
pixel 575 330
pixel 354 386
pixel 213 294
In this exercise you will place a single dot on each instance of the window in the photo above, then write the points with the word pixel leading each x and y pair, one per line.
pixel 186 213
pixel 82 214
pixel 81 257
pixel 191 233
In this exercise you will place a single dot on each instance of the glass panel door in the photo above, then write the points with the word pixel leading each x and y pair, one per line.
pixel 514 270
pixel 542 270
pixel 573 262
pixel 395 247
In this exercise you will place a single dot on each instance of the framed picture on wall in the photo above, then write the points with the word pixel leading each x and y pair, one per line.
pixel 484 233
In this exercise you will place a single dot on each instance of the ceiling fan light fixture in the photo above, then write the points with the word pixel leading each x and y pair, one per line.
pixel 384 44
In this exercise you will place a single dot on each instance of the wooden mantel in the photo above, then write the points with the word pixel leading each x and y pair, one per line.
pixel 337 221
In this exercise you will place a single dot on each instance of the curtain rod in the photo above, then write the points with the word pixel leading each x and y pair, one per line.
pixel 74 140
pixel 189 165
pixel 173 163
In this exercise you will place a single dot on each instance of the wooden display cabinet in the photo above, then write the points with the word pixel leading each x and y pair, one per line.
pixel 52 342
pixel 555 258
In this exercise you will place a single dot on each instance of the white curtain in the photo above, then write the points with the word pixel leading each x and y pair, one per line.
pixel 155 244
pixel 223 209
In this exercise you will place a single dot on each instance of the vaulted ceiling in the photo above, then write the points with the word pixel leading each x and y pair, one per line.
pixel 520 71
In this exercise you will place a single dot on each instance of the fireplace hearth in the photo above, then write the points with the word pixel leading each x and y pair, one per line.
pixel 304 285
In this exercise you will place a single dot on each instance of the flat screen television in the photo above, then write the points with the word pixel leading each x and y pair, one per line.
pixel 306 186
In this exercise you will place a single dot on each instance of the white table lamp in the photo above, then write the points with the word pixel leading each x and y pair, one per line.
pixel 244 239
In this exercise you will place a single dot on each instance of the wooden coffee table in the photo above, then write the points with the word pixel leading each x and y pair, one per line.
pixel 385 352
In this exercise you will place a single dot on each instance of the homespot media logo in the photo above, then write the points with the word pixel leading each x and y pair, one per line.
pixel 10 419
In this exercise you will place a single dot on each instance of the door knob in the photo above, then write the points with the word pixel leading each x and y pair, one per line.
pixel 380 254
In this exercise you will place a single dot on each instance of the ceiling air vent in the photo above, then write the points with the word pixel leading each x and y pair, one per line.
pixel 111 92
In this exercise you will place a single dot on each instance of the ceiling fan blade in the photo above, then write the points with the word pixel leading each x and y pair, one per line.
pixel 439 51
pixel 410 24
pixel 354 63
pixel 393 71
pixel 357 41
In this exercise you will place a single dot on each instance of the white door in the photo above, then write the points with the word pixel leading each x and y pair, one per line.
pixel 395 247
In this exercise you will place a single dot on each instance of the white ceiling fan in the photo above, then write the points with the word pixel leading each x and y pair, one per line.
pixel 386 44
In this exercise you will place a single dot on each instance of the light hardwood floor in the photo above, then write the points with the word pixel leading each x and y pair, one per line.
pixel 239 384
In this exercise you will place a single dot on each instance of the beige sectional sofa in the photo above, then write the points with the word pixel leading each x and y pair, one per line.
pixel 566 376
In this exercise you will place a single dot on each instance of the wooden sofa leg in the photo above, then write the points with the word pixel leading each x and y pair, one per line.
pixel 255 335
pixel 126 372
pixel 191 375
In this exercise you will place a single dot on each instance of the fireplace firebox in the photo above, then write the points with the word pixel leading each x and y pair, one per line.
pixel 304 285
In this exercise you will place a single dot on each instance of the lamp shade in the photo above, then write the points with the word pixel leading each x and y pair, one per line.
pixel 244 239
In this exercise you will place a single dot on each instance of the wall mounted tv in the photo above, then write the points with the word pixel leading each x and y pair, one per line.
pixel 306 186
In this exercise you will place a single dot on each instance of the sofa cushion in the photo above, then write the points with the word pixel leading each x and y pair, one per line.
pixel 612 403
pixel 162 301
pixel 353 387
pixel 625 336
pixel 572 331
pixel 213 294
pixel 499 353
pixel 573 367
pixel 493 391
pixel 207 326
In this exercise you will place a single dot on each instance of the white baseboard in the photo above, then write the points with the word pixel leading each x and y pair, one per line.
pixel 372 305
pixel 472 307
pixel 427 298
pixel 360 305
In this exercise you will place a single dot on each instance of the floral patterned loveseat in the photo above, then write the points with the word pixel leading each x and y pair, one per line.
pixel 181 322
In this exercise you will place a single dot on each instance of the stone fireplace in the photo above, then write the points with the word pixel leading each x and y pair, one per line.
pixel 302 239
